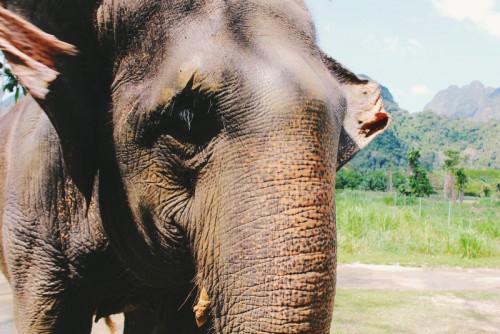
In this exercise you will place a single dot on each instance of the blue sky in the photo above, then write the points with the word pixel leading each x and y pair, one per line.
pixel 414 47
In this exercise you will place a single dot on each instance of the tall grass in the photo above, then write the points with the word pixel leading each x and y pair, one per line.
pixel 371 228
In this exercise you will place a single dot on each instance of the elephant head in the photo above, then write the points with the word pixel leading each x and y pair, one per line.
pixel 210 133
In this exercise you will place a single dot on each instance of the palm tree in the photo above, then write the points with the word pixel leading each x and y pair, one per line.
pixel 462 181
pixel 449 165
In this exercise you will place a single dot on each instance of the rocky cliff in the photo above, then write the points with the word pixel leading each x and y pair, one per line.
pixel 475 102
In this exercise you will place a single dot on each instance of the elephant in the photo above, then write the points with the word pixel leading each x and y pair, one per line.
pixel 174 161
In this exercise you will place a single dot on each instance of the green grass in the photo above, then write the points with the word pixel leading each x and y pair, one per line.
pixel 371 229
pixel 489 174
pixel 369 311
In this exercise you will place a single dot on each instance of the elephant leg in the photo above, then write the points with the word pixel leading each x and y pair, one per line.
pixel 142 320
pixel 40 310
pixel 162 318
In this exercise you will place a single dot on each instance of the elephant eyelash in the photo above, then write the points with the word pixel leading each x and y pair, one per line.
pixel 187 116
pixel 191 118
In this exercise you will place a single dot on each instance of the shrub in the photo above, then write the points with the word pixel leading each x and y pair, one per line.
pixel 470 245
pixel 348 179
pixel 375 181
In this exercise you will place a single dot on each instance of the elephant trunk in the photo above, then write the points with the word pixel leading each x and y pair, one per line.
pixel 285 284
pixel 272 265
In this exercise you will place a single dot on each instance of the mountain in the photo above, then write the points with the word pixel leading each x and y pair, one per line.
pixel 432 134
pixel 475 102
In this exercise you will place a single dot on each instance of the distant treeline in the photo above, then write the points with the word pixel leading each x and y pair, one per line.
pixel 481 183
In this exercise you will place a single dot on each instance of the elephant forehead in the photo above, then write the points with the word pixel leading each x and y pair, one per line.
pixel 130 24
pixel 251 20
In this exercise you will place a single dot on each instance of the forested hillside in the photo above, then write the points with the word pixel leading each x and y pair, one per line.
pixel 432 134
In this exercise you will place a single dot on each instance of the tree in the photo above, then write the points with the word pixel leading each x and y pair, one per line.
pixel 453 159
pixel 462 181
pixel 420 185
pixel 390 187
pixel 413 158
pixel 449 166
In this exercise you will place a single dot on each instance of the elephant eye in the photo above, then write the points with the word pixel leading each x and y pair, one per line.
pixel 190 118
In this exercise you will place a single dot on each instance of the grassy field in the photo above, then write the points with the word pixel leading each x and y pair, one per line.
pixel 372 229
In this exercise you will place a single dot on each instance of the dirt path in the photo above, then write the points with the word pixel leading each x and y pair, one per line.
pixel 377 277
pixel 392 299
pixel 350 277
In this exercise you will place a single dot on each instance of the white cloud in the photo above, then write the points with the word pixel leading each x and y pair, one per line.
pixel 393 44
pixel 398 92
pixel 420 90
pixel 415 43
pixel 480 12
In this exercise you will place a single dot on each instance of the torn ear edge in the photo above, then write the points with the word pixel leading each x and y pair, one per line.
pixel 363 122
pixel 31 53
pixel 355 137
pixel 365 116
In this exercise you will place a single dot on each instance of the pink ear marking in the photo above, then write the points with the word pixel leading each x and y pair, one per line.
pixel 378 123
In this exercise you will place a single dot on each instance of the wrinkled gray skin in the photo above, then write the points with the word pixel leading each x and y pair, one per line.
pixel 188 145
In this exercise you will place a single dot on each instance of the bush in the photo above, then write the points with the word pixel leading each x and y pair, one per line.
pixel 375 181
pixel 348 179
pixel 399 179
pixel 480 180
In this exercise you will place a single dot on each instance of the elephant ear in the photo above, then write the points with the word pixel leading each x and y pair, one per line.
pixel 31 53
pixel 365 116
pixel 39 61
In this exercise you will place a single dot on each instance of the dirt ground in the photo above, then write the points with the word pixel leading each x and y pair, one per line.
pixel 378 277
pixel 453 290
pixel 392 299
